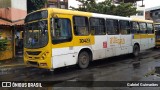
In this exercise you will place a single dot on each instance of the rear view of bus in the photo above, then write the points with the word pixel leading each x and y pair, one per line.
pixel 157 32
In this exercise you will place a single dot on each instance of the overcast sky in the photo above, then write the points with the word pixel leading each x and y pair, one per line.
pixel 147 3
pixel 150 3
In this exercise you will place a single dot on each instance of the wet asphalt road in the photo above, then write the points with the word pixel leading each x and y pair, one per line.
pixel 146 67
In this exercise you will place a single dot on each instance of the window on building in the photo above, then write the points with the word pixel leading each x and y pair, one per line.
pixel 63 6
pixel 156 13
pixel 150 28
pixel 142 27
pixel 124 27
pixel 140 13
pixel 134 27
pixel 80 25
pixel 112 27
pixel 97 26
pixel 52 5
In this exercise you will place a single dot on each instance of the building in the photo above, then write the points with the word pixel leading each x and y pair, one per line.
pixel 57 4
pixel 12 14
pixel 127 1
pixel 153 14
pixel 140 13
pixel 31 6
pixel 10 8
pixel 140 8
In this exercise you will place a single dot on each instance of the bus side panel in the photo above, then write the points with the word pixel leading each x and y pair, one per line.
pixel 136 39
pixel 66 56
pixel 126 44
pixel 151 40
pixel 113 43
pixel 143 42
pixel 99 50
pixel 63 57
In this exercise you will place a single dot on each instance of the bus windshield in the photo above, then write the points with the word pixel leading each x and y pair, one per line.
pixel 36 34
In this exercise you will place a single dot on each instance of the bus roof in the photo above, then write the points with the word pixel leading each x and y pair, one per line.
pixel 81 13
pixel 157 23
pixel 69 12
pixel 142 20
pixel 111 16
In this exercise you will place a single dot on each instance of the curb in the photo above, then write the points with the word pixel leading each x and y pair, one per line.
pixel 9 66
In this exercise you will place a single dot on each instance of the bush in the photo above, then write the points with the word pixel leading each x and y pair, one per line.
pixel 3 44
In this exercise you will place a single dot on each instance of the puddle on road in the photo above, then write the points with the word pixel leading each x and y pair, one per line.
pixel 136 63
pixel 155 72
pixel 5 71
pixel 88 77
pixel 156 56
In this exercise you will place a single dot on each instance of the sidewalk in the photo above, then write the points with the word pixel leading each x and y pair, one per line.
pixel 16 62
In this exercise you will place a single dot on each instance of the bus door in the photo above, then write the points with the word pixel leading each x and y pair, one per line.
pixel 157 33
pixel 143 36
pixel 62 41
pixel 113 37
pixel 125 38
pixel 97 28
pixel 151 36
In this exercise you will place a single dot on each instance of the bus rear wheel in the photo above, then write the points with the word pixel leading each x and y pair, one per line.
pixel 83 60
pixel 136 50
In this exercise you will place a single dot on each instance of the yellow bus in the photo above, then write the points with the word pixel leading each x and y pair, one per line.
pixel 57 37
pixel 157 32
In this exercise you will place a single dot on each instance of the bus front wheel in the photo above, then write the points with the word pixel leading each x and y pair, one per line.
pixel 136 50
pixel 83 60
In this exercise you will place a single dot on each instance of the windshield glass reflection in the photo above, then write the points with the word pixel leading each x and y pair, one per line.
pixel 36 34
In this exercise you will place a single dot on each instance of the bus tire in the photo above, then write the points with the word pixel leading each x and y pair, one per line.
pixel 136 50
pixel 83 60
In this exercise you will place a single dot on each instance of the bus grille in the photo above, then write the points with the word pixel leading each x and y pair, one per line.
pixel 33 63
pixel 33 53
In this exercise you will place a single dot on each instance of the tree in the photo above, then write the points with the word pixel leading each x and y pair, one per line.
pixel 125 9
pixel 107 7
pixel 33 5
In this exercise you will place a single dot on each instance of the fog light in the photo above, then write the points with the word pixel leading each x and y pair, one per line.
pixel 43 64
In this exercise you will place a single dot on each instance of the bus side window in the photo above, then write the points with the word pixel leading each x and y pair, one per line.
pixel 150 28
pixel 61 30
pixel 134 28
pixel 112 27
pixel 143 28
pixel 97 26
pixel 80 26
pixel 124 27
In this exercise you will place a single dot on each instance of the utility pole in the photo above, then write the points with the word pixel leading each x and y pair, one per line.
pixel 142 4
pixel 58 4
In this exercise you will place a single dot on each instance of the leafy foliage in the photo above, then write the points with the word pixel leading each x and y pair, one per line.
pixel 35 5
pixel 107 7
pixel 3 44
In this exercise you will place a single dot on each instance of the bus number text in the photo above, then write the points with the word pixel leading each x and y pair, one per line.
pixel 87 40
